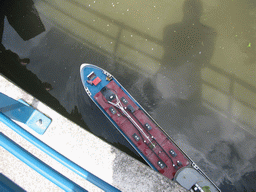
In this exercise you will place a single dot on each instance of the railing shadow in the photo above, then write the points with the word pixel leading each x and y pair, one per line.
pixel 230 93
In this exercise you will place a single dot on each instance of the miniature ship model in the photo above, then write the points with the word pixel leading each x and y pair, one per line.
pixel 141 130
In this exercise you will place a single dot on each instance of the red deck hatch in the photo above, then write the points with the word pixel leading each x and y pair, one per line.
pixel 96 81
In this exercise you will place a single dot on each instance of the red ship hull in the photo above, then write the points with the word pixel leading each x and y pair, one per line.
pixel 162 144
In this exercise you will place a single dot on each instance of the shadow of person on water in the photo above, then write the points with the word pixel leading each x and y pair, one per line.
pixel 188 46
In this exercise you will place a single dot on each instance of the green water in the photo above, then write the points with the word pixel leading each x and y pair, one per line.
pixel 133 31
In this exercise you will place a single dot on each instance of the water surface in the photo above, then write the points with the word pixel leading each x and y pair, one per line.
pixel 190 64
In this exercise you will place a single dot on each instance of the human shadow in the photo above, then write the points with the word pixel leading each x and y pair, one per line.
pixel 188 46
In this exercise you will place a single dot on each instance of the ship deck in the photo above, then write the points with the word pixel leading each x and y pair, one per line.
pixel 147 137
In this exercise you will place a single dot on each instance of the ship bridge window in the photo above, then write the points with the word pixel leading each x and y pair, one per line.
pixel 91 75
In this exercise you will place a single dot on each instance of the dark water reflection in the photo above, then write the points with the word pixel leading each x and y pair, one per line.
pixel 61 68
pixel 220 147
